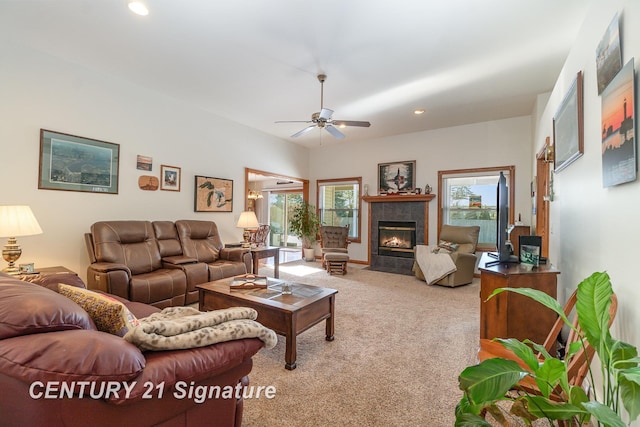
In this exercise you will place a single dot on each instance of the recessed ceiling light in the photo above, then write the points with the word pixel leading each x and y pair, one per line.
pixel 418 112
pixel 138 7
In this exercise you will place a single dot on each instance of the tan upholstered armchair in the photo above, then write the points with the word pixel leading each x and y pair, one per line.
pixel 333 239
pixel 461 242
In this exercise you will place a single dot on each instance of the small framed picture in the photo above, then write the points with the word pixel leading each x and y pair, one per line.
pixel 27 268
pixel 169 178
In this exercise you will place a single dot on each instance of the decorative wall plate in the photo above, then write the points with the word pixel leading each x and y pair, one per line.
pixel 148 182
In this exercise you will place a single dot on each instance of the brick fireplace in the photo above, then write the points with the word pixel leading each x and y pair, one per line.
pixel 396 224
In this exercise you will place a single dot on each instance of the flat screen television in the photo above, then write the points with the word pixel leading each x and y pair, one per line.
pixel 503 246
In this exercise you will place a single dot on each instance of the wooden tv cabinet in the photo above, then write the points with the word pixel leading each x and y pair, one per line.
pixel 510 315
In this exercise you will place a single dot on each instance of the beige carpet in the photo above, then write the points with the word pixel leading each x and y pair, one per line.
pixel 399 347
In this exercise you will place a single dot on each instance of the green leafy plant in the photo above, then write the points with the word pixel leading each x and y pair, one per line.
pixel 488 383
pixel 304 223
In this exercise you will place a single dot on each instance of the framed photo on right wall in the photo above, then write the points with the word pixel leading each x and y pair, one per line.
pixel 568 127
pixel 618 129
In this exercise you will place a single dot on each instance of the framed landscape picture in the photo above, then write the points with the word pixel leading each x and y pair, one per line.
pixel 396 177
pixel 608 55
pixel 213 194
pixel 568 127
pixel 74 163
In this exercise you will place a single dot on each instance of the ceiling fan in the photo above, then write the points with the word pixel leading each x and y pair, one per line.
pixel 323 119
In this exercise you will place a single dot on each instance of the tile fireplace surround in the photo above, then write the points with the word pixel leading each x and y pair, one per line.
pixel 397 208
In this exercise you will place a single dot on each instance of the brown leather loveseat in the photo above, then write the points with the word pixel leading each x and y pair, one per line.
pixel 50 347
pixel 161 262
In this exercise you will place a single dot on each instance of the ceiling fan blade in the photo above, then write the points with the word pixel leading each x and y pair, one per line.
pixel 293 121
pixel 325 114
pixel 303 131
pixel 350 123
pixel 335 132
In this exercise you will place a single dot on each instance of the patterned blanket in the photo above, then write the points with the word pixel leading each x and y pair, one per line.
pixel 434 266
pixel 185 327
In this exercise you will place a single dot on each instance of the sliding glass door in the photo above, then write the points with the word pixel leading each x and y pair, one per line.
pixel 280 206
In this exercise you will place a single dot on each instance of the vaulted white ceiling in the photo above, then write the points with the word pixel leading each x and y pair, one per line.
pixel 256 61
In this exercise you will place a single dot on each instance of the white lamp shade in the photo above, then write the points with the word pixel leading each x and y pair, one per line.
pixel 18 221
pixel 248 219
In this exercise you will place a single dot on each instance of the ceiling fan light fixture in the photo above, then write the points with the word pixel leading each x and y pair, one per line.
pixel 323 119
pixel 138 7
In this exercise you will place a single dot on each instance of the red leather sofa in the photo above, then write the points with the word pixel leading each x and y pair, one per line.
pixel 49 347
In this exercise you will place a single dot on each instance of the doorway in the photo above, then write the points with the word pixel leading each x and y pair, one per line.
pixel 544 194
pixel 270 196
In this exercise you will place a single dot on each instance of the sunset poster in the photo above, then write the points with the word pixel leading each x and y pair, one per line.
pixel 618 129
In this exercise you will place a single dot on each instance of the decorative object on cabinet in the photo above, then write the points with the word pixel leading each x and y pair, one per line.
pixel 396 177
pixel 213 194
pixel 74 163
pixel 608 55
pixel 16 221
pixel 568 128
pixel 618 129
pixel 170 178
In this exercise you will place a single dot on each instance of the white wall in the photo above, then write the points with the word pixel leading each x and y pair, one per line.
pixel 39 91
pixel 497 143
pixel 595 228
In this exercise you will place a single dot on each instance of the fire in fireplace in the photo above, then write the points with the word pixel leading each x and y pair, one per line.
pixel 396 238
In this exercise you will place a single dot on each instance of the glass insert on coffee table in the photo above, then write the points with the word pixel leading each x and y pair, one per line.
pixel 287 314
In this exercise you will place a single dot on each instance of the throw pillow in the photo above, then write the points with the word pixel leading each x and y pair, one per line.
pixel 109 314
pixel 450 246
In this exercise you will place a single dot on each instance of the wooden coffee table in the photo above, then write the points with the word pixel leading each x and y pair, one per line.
pixel 287 315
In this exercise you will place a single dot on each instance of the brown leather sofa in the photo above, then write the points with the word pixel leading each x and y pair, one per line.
pixel 47 343
pixel 159 263
pixel 201 241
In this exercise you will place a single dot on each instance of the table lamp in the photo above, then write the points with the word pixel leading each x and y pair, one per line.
pixel 16 221
pixel 247 220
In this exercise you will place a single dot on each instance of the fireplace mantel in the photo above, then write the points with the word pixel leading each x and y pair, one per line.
pixel 399 198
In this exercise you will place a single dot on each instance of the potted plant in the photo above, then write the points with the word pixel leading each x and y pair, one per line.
pixel 487 383
pixel 304 223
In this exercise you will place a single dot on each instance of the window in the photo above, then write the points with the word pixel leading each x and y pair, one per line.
pixel 469 198
pixel 339 204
